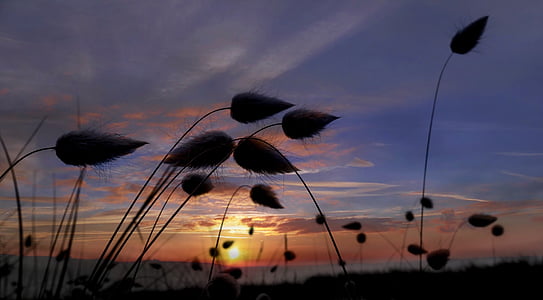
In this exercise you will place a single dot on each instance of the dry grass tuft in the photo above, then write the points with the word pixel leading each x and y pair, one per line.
pixel 468 37
pixel 264 195
pixel 258 156
pixel 196 184
pixel 353 225
pixel 205 150
pixel 251 107
pixel 304 123
pixel 437 259
pixel 481 220
pixel 90 147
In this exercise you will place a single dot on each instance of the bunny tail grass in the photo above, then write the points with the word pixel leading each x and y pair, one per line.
pixel 427 154
pixel 145 184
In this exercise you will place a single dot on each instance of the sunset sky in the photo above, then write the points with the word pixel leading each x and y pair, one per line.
pixel 149 69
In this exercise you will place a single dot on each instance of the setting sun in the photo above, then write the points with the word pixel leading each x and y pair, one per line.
pixel 233 253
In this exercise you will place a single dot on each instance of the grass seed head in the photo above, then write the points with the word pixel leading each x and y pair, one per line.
pixel 320 219
pixel 304 123
pixel 416 249
pixel 497 230
pixel 90 148
pixel 223 287
pixel 28 241
pixel 205 150
pixel 438 259
pixel 227 244
pixel 426 202
pixel 196 265
pixel 251 107
pixel 196 184
pixel 361 238
pixel 257 156
pixel 481 220
pixel 468 37
pixel 213 252
pixel 264 195
pixel 409 216
pixel 289 255
pixel 353 225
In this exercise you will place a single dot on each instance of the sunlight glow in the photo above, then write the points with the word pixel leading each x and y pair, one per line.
pixel 233 253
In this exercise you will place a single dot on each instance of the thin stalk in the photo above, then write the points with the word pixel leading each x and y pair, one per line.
pixel 426 156
pixel 75 208
pixel 100 269
pixel 317 206
pixel 117 229
pixel 170 219
pixel 14 163
pixel 19 289
pixel 220 230
pixel 54 241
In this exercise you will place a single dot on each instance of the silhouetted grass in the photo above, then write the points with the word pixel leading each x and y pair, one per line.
pixel 507 280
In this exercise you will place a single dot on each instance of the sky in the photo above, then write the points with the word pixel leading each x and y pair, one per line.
pixel 149 70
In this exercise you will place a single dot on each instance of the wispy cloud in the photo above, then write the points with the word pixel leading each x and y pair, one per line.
pixel 520 154
pixel 289 52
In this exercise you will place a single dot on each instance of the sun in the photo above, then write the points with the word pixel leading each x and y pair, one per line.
pixel 233 253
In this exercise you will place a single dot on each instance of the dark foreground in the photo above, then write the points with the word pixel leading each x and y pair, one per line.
pixel 518 280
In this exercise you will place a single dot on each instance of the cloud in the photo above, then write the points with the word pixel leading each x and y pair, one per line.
pixel 520 154
pixel 451 196
pixel 289 52
pixel 360 163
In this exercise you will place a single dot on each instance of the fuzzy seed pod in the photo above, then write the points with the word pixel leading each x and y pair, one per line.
pixel 289 255
pixel 409 216
pixel 28 241
pixel 416 249
pixel 481 220
pixel 90 148
pixel 223 287
pixel 426 202
pixel 320 219
pixel 497 230
pixel 257 156
pixel 205 150
pixel 353 225
pixel 251 107
pixel 264 195
pixel 304 123
pixel 468 37
pixel 438 259
pixel 213 252
pixel 227 244
pixel 196 184
pixel 196 265
pixel 361 238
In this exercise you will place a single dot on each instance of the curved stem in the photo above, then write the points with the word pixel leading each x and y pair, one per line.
pixel 13 164
pixel 106 248
pixel 220 230
pixel 426 156
pixel 19 289
pixel 341 261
